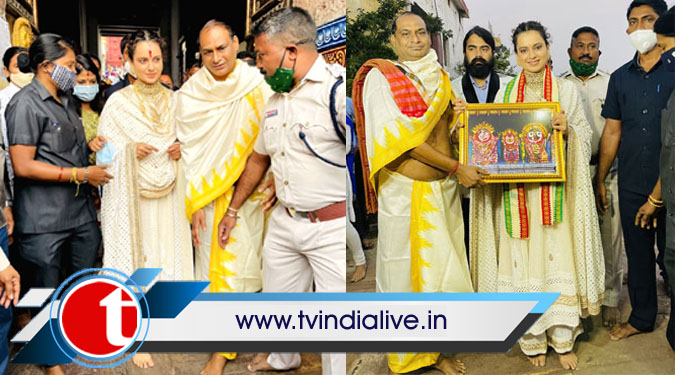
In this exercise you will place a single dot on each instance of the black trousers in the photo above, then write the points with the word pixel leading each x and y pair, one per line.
pixel 45 253
pixel 669 261
pixel 641 260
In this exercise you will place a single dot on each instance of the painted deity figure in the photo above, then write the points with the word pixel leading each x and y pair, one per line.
pixel 484 144
pixel 535 138
pixel 510 146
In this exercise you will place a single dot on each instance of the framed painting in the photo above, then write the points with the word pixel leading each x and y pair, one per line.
pixel 514 142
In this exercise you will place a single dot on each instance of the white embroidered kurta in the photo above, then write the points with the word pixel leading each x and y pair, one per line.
pixel 142 208
pixel 565 257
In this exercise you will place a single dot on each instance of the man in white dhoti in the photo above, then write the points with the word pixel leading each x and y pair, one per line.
pixel 142 208
pixel 543 237
pixel 404 111
pixel 218 114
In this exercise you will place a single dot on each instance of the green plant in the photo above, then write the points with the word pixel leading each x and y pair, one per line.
pixel 502 63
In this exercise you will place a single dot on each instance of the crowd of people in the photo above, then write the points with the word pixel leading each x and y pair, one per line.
pixel 441 228
pixel 216 181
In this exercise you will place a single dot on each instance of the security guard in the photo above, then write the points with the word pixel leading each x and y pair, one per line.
pixel 636 94
pixel 302 136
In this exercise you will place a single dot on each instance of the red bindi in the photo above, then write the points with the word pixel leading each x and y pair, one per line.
pixel 150 52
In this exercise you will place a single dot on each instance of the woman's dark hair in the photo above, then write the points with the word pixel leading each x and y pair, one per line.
pixel 93 58
pixel 23 62
pixel 145 36
pixel 85 62
pixel 47 47
pixel 124 42
pixel 529 26
pixel 11 52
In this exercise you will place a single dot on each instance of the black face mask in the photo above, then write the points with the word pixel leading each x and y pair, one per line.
pixel 478 67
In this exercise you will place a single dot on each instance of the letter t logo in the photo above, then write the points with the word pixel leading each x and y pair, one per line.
pixel 113 307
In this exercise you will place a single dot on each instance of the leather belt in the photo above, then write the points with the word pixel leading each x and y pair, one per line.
pixel 330 212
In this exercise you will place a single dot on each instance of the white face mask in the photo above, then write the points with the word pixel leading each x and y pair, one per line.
pixel 129 69
pixel 643 40
pixel 21 79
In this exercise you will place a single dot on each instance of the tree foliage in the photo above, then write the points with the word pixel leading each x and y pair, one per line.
pixel 502 63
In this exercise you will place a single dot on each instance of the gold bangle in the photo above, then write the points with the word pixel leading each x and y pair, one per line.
pixel 654 204
pixel 657 201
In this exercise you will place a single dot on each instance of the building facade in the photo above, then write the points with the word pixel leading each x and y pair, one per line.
pixel 329 16
pixel 453 13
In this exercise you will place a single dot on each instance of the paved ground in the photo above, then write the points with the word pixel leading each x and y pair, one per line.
pixel 177 364
pixel 645 354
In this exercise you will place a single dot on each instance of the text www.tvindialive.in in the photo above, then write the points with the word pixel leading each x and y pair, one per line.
pixel 354 320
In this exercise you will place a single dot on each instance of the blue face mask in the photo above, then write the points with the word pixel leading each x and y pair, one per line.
pixel 106 155
pixel 86 93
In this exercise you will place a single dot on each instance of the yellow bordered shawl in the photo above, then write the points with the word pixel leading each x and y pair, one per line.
pixel 386 141
pixel 217 125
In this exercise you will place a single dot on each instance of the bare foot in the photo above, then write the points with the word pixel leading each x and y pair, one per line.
pixel 621 331
pixel 215 365
pixel 610 315
pixel 54 370
pixel 538 360
pixel 569 360
pixel 359 273
pixel 143 360
pixel 259 363
pixel 450 367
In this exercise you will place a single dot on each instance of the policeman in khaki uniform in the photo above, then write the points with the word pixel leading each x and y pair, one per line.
pixel 592 83
pixel 303 145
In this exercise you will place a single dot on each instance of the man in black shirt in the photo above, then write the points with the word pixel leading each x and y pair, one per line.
pixel 637 93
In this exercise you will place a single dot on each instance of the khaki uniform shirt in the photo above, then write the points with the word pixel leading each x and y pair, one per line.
pixel 303 181
pixel 593 92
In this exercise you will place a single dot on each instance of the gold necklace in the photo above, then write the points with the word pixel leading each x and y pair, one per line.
pixel 155 95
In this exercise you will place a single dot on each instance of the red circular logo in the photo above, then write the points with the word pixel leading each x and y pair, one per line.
pixel 100 317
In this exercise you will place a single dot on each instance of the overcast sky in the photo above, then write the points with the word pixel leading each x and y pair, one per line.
pixel 561 18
